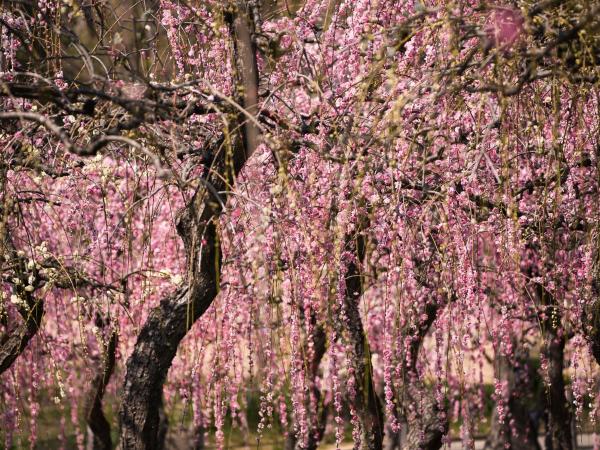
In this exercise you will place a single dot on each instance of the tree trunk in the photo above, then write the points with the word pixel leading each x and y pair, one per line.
pixel 592 321
pixel 522 435
pixel 99 428
pixel 559 435
pixel 318 418
pixel 393 440
pixel 167 324
pixel 31 309
pixel 591 318
pixel 13 344
pixel 427 420
pixel 428 424
pixel 560 415
pixel 163 426
pixel 198 443
pixel 366 403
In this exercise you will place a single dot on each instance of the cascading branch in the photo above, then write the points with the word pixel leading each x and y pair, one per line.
pixel 299 221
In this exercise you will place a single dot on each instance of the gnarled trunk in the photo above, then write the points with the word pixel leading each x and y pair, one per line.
pixel 13 344
pixel 167 324
pixel 148 365
pixel 165 327
pixel 428 424
pixel 427 420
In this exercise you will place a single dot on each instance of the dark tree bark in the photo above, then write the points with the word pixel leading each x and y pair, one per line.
pixel 94 416
pixel 392 440
pixel 157 343
pixel 424 418
pixel 163 426
pixel 559 435
pixel 427 420
pixel 593 324
pixel 560 416
pixel 591 318
pixel 429 423
pixel 366 403
pixel 198 443
pixel 520 387
pixel 13 344
pixel 167 324
pixel 318 418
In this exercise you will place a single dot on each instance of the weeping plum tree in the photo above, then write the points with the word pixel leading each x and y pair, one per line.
pixel 355 214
